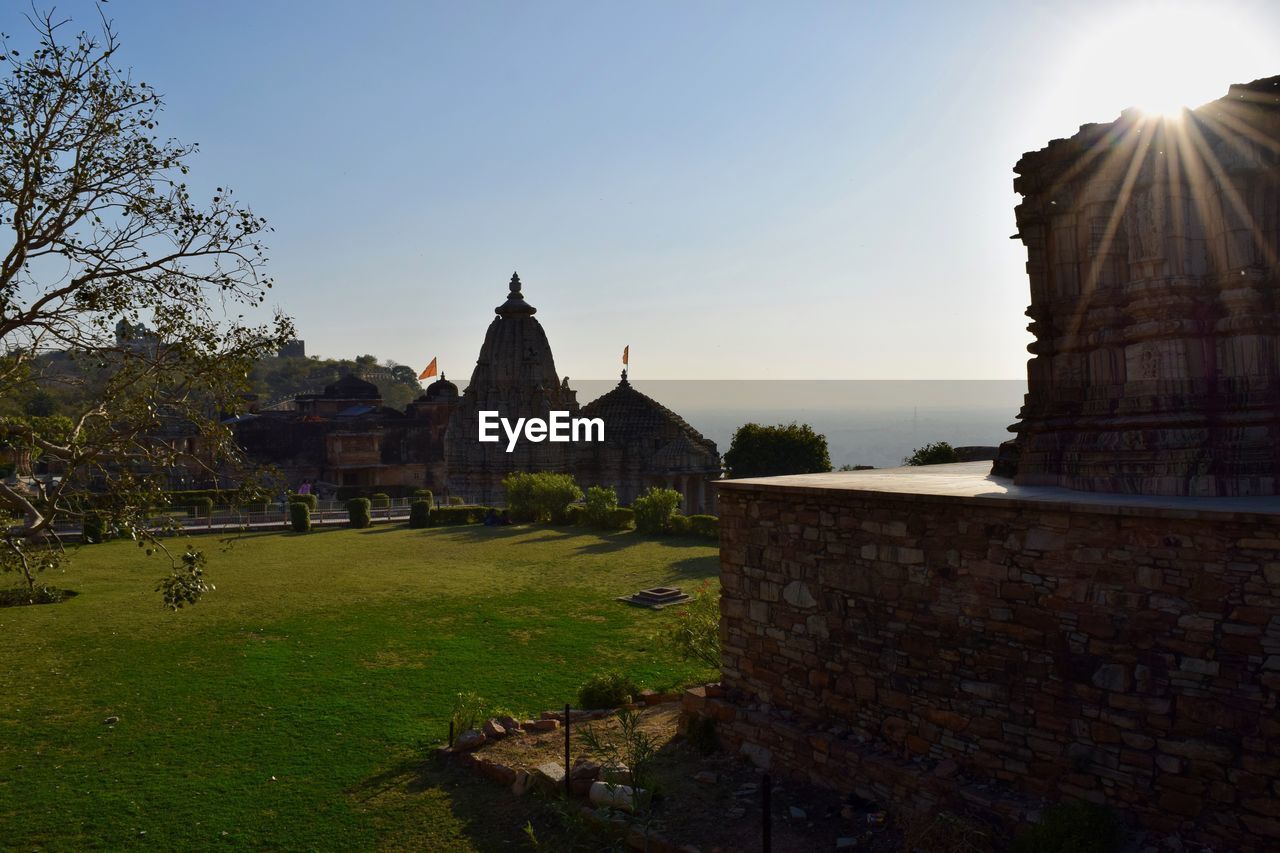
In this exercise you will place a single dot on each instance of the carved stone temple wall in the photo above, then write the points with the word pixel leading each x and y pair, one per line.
pixel 1152 250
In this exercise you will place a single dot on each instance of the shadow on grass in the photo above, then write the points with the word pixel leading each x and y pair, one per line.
pixel 490 817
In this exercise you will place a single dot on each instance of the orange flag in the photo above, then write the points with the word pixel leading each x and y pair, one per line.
pixel 626 351
pixel 430 371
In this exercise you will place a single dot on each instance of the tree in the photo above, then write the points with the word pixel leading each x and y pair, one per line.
pixel 938 453
pixel 106 258
pixel 767 451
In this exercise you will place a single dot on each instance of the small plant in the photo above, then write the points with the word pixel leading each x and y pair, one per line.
pixel 601 501
pixel 300 517
pixel 607 690
pixel 420 513
pixel 380 500
pixel 631 746
pixel 695 633
pixel 654 509
pixel 358 512
pixel 468 711
pixel 945 832
pixel 1074 826
pixel 678 524
pixel 938 453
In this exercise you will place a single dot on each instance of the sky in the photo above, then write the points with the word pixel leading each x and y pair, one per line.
pixel 801 190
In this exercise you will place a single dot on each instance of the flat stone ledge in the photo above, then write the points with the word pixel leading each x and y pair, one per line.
pixel 973 483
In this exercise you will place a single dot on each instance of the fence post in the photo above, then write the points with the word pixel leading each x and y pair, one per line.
pixel 766 822
pixel 568 788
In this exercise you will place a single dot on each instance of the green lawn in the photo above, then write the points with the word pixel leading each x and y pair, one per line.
pixel 280 711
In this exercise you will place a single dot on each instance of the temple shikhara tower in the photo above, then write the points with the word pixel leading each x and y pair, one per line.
pixel 1152 250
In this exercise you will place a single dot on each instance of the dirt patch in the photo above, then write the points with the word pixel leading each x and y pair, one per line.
pixel 711 800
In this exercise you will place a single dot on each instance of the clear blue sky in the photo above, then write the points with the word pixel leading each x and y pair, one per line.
pixel 774 190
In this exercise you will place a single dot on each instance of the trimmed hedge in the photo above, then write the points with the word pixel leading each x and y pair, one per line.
pixel 381 500
pixel 420 513
pixel 448 515
pixel 425 494
pixel 456 500
pixel 704 525
pixel 310 500
pixel 358 512
pixel 601 500
pixel 300 516
pixel 621 518
pixel 678 524
pixel 574 514
pixel 201 507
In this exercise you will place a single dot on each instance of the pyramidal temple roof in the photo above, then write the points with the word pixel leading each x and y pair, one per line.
pixel 630 415
pixel 515 306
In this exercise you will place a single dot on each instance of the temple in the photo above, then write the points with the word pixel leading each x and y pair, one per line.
pixel 1152 247
pixel 344 438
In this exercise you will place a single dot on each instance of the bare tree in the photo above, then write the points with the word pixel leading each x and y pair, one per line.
pixel 140 291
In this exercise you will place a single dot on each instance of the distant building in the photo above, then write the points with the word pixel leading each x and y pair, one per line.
pixel 345 437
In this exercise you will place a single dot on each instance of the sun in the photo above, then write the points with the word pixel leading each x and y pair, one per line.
pixel 1164 58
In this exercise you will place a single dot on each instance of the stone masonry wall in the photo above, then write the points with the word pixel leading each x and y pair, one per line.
pixel 1007 653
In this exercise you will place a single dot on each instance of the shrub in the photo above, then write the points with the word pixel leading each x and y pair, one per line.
pixel 702 734
pixel 1074 826
pixel 300 516
pixel 607 690
pixel 695 632
pixel 621 518
pixel 574 514
pixel 938 453
pixel 381 500
pixel 765 451
pixel 455 500
pixel 310 500
pixel 94 529
pixel 420 513
pixel 458 515
pixel 358 512
pixel 678 524
pixel 468 710
pixel 201 507
pixel 424 494
pixel 540 496
pixel 654 509
pixel 704 525
pixel 601 500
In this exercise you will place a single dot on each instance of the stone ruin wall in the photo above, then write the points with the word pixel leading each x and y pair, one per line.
pixel 966 652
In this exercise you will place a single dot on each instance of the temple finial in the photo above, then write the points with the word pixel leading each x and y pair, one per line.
pixel 515 306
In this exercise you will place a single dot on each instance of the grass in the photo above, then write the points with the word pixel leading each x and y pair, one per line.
pixel 272 714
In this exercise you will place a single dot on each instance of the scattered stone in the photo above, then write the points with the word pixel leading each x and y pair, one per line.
pixel 522 783
pixel 615 773
pixel 511 724
pixel 847 842
pixel 500 773
pixel 468 740
pixel 581 787
pixel 584 769
pixel 615 796
pixel 110 721
pixel 494 730
pixel 706 777
pixel 736 813
pixel 550 776
pixel 541 725
pixel 797 813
